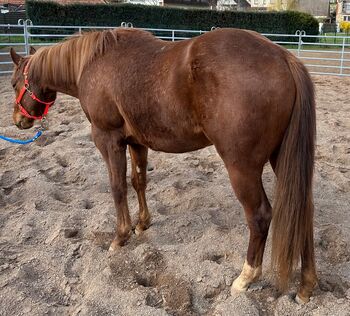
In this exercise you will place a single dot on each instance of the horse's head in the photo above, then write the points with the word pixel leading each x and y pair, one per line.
pixel 32 99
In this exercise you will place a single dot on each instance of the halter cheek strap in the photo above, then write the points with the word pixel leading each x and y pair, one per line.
pixel 33 96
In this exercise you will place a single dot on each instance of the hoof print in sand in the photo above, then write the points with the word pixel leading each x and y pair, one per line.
pixel 215 257
pixel 334 284
pixel 102 239
pixel 146 268
pixel 87 204
pixel 71 233
pixel 45 140
pixel 335 249
pixel 61 197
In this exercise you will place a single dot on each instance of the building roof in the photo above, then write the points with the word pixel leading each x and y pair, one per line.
pixel 22 2
pixel 80 1
pixel 14 2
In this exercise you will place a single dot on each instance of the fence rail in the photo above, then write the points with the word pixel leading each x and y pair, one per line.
pixel 324 55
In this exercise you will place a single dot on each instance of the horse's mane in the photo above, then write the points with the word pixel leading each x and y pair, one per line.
pixel 65 62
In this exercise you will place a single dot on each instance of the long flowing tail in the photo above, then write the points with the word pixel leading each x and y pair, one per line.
pixel 292 226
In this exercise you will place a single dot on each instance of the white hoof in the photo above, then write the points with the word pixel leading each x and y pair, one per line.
pixel 248 275
pixel 138 231
pixel 239 286
pixel 111 249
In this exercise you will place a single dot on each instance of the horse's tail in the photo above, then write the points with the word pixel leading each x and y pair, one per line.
pixel 293 206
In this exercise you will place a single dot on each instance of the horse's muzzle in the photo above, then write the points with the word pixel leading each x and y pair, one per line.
pixel 24 123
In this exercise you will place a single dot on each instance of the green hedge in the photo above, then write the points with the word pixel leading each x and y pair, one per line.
pixel 50 13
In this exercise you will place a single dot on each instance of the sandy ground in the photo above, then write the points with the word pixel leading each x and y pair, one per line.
pixel 57 219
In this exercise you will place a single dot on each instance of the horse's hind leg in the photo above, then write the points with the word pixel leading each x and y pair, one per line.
pixel 247 184
pixel 138 178
pixel 113 149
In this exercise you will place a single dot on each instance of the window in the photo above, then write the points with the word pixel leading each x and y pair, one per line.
pixel 256 2
pixel 347 7
pixel 347 18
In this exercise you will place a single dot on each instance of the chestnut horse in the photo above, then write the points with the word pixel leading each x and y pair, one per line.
pixel 234 89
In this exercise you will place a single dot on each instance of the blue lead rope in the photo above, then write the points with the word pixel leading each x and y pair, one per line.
pixel 22 142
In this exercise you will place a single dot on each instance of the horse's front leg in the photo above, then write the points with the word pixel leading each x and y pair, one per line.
pixel 138 155
pixel 113 149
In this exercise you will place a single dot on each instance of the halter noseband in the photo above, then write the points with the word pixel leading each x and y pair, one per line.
pixel 33 96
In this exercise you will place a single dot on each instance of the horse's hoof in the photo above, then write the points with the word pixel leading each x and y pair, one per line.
pixel 114 245
pixel 301 300
pixel 139 228
pixel 112 248
pixel 119 242
pixel 238 286
pixel 248 275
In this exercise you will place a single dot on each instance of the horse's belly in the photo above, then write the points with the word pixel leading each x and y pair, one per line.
pixel 172 130
pixel 178 145
pixel 159 139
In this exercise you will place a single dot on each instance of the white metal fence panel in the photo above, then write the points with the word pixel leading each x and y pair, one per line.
pixel 328 55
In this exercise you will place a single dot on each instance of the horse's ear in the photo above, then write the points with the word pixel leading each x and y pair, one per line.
pixel 15 57
pixel 32 50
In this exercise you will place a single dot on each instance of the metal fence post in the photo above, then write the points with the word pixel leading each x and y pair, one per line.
pixel 298 33
pixel 173 35
pixel 26 34
pixel 25 38
pixel 342 57
pixel 300 42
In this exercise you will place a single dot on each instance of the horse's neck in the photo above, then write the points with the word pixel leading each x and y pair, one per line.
pixel 59 76
pixel 63 85
pixel 70 89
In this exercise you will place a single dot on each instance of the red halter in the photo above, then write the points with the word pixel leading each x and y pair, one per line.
pixel 33 96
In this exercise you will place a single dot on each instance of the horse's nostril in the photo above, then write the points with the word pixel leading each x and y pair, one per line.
pixel 19 125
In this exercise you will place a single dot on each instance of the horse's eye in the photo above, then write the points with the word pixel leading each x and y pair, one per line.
pixel 14 85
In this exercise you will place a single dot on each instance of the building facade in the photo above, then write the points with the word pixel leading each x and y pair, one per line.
pixel 316 8
pixel 343 10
